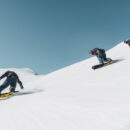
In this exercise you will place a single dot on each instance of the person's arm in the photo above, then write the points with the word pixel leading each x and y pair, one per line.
pixel 20 83
pixel 4 75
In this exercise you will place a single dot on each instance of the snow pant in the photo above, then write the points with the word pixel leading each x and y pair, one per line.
pixel 102 58
pixel 12 81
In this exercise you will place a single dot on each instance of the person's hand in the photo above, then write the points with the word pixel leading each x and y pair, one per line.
pixel 22 87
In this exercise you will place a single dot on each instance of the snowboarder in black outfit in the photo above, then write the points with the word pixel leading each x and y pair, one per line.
pixel 127 42
pixel 12 80
pixel 101 55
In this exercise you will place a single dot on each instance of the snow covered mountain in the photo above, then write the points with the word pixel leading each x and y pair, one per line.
pixel 73 98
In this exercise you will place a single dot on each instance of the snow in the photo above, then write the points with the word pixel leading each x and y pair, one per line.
pixel 73 98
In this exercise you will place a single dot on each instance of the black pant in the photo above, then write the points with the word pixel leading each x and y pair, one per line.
pixel 9 81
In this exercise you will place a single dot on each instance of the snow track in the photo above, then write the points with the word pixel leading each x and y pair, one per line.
pixel 73 98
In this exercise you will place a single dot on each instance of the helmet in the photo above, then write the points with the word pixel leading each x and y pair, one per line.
pixel 91 52
pixel 127 41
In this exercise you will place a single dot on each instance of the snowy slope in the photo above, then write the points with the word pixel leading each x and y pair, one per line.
pixel 81 73
pixel 73 98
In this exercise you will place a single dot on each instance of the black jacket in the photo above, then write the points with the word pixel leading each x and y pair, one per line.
pixel 10 74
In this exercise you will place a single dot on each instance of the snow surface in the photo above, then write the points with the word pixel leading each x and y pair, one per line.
pixel 73 98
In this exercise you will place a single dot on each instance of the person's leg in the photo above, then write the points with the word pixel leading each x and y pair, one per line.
pixel 106 59
pixel 13 84
pixel 4 85
pixel 12 88
pixel 100 60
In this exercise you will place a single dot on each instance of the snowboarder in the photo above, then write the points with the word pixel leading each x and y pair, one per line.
pixel 127 42
pixel 101 55
pixel 12 80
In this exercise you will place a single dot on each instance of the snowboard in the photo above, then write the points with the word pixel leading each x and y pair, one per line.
pixel 103 65
pixel 7 95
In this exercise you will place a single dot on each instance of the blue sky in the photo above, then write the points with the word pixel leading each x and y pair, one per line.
pixel 46 35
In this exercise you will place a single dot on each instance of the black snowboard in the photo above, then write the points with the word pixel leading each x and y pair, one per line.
pixel 97 66
pixel 105 64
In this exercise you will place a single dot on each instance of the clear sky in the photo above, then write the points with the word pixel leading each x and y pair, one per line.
pixel 46 35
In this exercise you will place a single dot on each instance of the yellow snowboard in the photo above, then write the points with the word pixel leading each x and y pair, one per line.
pixel 6 95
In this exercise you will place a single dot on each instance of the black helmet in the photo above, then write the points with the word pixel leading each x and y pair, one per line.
pixel 127 41
pixel 91 52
